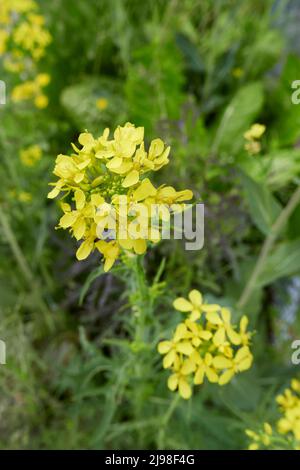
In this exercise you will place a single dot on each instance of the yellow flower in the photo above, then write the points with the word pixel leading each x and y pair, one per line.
pixel 252 136
pixel 239 363
pixel 194 305
pixel 102 103
pixel 179 380
pixel 31 155
pixel 223 323
pixel 25 196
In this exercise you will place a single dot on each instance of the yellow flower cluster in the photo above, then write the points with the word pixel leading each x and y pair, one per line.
pixel 31 155
pixel 289 403
pixel 286 432
pixel 105 181
pixel 205 344
pixel 23 30
pixel 32 90
pixel 252 136
pixel 23 41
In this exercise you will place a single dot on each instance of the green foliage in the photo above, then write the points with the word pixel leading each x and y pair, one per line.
pixel 82 368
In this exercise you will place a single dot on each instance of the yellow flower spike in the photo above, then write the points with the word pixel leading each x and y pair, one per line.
pixel 104 179
pixel 193 349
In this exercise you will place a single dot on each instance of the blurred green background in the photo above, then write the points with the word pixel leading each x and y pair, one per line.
pixel 197 73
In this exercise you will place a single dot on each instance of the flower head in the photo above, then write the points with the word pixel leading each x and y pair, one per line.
pixel 205 346
pixel 108 194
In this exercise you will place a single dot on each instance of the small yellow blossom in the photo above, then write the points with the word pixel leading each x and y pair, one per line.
pixel 252 136
pixel 102 103
pixel 31 155
pixel 286 432
pixel 24 196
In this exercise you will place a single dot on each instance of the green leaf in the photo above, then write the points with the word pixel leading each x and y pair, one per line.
pixel 237 118
pixel 80 101
pixel 263 207
pixel 91 278
pixel 283 262
pixel 277 169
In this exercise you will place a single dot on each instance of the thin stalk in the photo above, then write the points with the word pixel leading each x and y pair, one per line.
pixel 267 247
pixel 165 420
pixel 24 267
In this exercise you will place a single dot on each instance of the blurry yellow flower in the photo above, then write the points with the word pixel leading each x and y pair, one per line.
pixel 41 101
pixel 32 90
pixel 252 136
pixel 237 72
pixel 31 155
pixel 25 196
pixel 102 103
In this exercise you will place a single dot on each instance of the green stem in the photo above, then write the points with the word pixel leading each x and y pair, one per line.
pixel 143 299
pixel 267 247
pixel 165 420
pixel 24 267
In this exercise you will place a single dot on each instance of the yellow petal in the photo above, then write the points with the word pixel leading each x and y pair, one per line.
pixel 214 318
pixel 199 376
pixel 182 305
pixel 85 138
pixel 169 359
pixel 221 362
pixel 164 347
pixel 131 179
pixel 114 163
pixel 211 375
pixel 185 347
pixel 195 298
pixel 188 367
pixel 234 337
pixel 146 189
pixel 79 197
pixel 79 228
pixel 210 307
pixel 226 377
pixel 84 250
pixel 68 219
pixel 173 382
pixel 139 246
pixel 219 337
pixel 184 388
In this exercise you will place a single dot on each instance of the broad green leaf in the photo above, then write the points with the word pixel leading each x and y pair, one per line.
pixel 94 103
pixel 277 169
pixel 237 118
pixel 263 207
pixel 283 262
